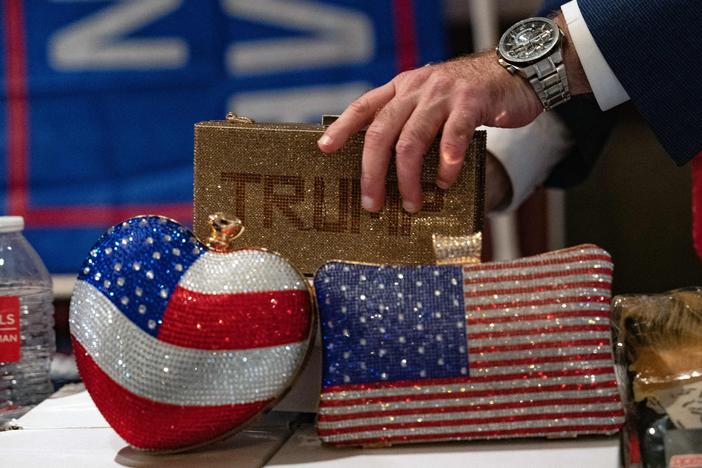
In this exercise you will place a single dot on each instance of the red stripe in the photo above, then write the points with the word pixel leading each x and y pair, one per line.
pixel 541 345
pixel 405 34
pixel 88 216
pixel 472 421
pixel 544 316
pixel 17 108
pixel 537 302
pixel 536 262
pixel 217 321
pixel 539 288
pixel 538 331
pixel 504 433
pixel 151 425
pixel 540 360
pixel 323 417
pixel 540 275
pixel 430 382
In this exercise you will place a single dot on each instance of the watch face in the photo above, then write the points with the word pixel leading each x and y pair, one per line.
pixel 529 40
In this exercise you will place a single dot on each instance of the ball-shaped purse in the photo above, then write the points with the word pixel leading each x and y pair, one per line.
pixel 180 344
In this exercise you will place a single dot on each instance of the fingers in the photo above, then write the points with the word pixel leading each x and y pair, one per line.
pixel 356 116
pixel 377 150
pixel 457 134
pixel 414 141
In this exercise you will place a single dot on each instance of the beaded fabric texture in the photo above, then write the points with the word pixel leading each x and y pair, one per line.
pixel 480 351
pixel 178 345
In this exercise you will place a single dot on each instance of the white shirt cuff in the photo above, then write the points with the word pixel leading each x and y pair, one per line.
pixel 529 153
pixel 605 86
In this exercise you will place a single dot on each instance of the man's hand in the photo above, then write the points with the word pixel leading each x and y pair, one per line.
pixel 408 113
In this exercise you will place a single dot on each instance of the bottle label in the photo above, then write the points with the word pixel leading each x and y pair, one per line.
pixel 9 329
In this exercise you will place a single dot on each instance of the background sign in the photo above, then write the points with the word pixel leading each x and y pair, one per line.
pixel 100 97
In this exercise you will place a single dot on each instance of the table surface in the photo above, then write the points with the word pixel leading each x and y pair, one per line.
pixel 68 431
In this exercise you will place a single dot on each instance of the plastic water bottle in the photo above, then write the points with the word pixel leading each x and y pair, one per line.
pixel 27 339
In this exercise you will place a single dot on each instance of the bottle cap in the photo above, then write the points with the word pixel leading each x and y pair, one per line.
pixel 11 223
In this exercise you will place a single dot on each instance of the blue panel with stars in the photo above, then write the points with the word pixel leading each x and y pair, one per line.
pixel 384 324
pixel 138 264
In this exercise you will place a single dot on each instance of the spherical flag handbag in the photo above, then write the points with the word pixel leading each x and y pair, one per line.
pixel 180 344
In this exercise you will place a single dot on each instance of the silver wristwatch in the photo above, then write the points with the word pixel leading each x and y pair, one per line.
pixel 532 48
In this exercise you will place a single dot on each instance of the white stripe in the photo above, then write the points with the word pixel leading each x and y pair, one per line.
pixel 467 387
pixel 531 283
pixel 550 257
pixel 473 272
pixel 541 352
pixel 241 272
pixel 549 366
pixel 554 295
pixel 173 374
pixel 539 309
pixel 413 418
pixel 449 402
pixel 538 338
pixel 531 324
pixel 475 428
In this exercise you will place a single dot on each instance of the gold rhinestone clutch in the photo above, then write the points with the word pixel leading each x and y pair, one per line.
pixel 305 204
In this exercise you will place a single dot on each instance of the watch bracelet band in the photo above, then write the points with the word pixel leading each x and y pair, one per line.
pixel 549 80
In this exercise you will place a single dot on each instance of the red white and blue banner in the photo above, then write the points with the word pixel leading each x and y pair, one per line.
pixel 99 98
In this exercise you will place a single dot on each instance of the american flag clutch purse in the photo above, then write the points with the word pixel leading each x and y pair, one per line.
pixel 460 352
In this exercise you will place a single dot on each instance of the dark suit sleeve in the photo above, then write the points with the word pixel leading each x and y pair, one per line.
pixel 589 127
pixel 653 47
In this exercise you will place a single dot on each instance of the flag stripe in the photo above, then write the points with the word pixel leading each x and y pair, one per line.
pixel 409 403
pixel 512 317
pixel 596 270
pixel 513 291
pixel 552 296
pixel 426 435
pixel 543 359
pixel 341 397
pixel 533 368
pixel 173 374
pixel 538 345
pixel 341 428
pixel 537 302
pixel 213 321
pixel 487 343
pixel 501 355
pixel 587 272
pixel 538 331
pixel 538 263
pixel 555 402
pixel 520 325
pixel 167 426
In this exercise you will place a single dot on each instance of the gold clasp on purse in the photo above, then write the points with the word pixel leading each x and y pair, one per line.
pixel 224 229
pixel 232 117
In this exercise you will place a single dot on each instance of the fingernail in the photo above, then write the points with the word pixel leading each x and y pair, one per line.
pixel 325 140
pixel 442 185
pixel 409 206
pixel 367 202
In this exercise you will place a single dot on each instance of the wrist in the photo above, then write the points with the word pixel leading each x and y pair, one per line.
pixel 498 190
